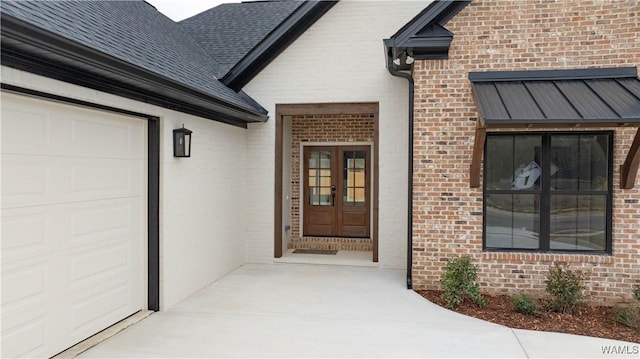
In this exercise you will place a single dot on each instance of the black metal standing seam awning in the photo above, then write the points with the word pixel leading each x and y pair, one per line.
pixel 558 98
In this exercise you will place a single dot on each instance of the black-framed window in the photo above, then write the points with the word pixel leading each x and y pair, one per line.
pixel 548 191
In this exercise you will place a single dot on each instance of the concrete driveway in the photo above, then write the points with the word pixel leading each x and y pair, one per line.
pixel 289 310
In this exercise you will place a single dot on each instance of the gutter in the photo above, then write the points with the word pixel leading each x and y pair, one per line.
pixel 424 37
pixel 409 78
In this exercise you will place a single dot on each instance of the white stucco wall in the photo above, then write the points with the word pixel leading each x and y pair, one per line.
pixel 339 59
pixel 201 198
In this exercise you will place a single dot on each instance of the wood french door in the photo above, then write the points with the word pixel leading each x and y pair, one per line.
pixel 337 193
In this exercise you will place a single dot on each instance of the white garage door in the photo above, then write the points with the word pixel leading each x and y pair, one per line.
pixel 73 223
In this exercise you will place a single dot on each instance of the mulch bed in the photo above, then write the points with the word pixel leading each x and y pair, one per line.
pixel 594 321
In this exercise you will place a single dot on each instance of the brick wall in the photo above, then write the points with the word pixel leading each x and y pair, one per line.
pixel 514 35
pixel 324 129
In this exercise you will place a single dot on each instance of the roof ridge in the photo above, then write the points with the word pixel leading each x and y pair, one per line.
pixel 193 40
pixel 273 30
pixel 230 32
pixel 180 23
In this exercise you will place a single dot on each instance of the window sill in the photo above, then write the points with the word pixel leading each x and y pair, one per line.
pixel 549 257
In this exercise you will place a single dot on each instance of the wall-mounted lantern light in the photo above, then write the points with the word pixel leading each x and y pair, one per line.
pixel 182 142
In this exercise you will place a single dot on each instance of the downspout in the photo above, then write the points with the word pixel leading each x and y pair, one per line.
pixel 409 78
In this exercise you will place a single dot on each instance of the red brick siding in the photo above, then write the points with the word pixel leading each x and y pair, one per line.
pixel 514 35
pixel 324 129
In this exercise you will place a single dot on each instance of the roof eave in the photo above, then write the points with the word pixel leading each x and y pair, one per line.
pixel 166 92
pixel 275 43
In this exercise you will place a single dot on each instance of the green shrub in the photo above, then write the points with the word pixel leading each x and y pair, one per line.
pixel 525 304
pixel 636 291
pixel 627 315
pixel 566 287
pixel 459 282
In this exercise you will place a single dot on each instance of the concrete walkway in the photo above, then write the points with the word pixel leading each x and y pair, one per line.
pixel 289 310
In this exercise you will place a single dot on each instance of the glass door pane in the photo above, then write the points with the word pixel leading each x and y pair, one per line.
pixel 354 178
pixel 320 178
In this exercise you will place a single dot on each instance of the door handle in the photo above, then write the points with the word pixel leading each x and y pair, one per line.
pixel 333 195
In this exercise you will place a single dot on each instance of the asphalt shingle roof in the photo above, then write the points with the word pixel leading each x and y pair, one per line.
pixel 229 31
pixel 132 31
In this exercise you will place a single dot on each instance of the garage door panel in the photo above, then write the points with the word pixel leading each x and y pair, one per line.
pixel 104 219
pixel 90 178
pixel 97 179
pixel 29 325
pixel 74 223
pixel 93 265
pixel 48 230
pixel 106 136
pixel 24 179
pixel 47 128
pixel 43 180
pixel 26 231
pixel 110 303
pixel 99 138
pixel 24 337
pixel 26 126
pixel 37 280
pixel 32 281
pixel 23 286
pixel 120 225
pixel 49 327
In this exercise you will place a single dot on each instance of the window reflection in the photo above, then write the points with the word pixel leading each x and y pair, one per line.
pixel 512 221
pixel 579 163
pixel 578 222
pixel 513 162
pixel 556 184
